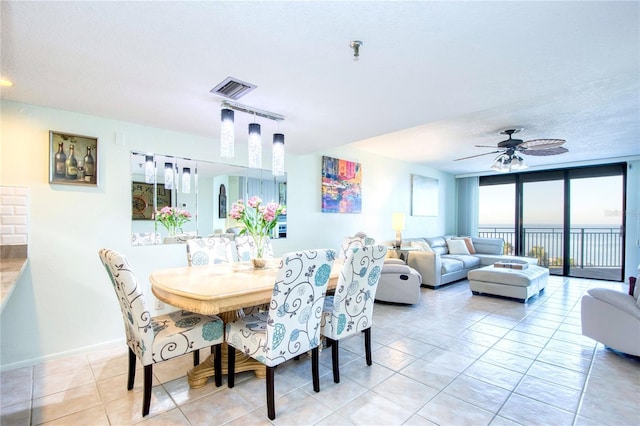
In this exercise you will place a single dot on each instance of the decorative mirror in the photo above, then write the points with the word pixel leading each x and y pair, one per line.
pixel 200 194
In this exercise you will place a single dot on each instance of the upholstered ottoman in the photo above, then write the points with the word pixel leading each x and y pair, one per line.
pixel 517 283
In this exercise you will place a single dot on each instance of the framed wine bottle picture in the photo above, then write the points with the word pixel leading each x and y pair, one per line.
pixel 73 159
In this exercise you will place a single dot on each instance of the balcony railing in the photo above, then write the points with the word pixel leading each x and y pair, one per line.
pixel 590 247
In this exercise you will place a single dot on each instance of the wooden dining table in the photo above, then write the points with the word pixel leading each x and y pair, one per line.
pixel 222 289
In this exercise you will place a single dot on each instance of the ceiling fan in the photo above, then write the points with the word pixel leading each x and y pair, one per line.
pixel 510 150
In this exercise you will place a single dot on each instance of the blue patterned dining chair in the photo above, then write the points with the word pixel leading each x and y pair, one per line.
pixel 210 250
pixel 349 243
pixel 350 310
pixel 291 326
pixel 159 338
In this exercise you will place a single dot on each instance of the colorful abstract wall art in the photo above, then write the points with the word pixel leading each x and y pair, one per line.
pixel 341 186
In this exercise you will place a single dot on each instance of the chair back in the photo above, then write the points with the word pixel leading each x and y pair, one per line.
pixel 145 238
pixel 247 249
pixel 135 315
pixel 209 250
pixel 355 293
pixel 295 310
pixel 350 243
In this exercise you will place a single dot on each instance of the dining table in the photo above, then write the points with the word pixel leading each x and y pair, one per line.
pixel 223 289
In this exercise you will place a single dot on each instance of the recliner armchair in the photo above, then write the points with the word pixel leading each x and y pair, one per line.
pixel 399 283
pixel 613 318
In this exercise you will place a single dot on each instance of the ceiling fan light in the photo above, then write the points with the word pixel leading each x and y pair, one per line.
pixel 501 163
pixel 517 163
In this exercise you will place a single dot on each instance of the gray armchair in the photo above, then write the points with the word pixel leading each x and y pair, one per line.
pixel 399 283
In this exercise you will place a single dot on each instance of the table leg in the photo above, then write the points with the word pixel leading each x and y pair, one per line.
pixel 199 375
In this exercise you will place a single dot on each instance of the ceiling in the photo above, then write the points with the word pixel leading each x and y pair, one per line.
pixel 434 79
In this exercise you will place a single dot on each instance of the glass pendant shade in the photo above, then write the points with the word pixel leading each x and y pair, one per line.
pixel 168 176
pixel 517 163
pixel 255 146
pixel 186 180
pixel 226 133
pixel 277 161
pixel 500 164
pixel 149 172
pixel 506 162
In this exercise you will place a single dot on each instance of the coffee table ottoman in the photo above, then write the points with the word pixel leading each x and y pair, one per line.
pixel 516 283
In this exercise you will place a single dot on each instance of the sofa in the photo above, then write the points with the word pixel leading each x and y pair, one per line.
pixel 612 317
pixel 444 259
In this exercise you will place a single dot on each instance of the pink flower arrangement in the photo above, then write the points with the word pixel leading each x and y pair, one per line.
pixel 258 219
pixel 172 218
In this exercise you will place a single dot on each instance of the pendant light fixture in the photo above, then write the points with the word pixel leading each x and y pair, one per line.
pixel 255 146
pixel 168 175
pixel 277 159
pixel 186 180
pixel 149 172
pixel 226 133
pixel 255 137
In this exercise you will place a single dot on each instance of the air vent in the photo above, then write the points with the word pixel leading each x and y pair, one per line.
pixel 232 88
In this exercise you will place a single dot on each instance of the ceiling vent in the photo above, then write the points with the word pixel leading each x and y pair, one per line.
pixel 232 88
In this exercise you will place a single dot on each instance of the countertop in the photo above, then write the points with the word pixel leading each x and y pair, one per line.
pixel 10 271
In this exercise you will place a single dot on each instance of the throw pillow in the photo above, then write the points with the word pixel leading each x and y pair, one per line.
pixel 468 242
pixel 632 286
pixel 457 247
pixel 422 246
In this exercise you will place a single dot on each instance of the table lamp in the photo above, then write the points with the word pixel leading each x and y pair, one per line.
pixel 397 222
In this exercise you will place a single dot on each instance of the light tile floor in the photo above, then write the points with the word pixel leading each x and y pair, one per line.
pixel 451 359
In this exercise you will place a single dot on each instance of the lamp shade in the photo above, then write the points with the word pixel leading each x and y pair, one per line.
pixel 397 221
pixel 255 146
pixel 277 161
pixel 226 133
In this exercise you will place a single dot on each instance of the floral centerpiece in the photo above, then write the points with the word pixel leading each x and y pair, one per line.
pixel 258 219
pixel 172 218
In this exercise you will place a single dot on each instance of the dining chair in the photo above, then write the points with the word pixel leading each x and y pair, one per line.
pixel 159 338
pixel 358 240
pixel 210 250
pixel 291 326
pixel 350 309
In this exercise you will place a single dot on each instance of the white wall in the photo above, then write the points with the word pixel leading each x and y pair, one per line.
pixel 64 302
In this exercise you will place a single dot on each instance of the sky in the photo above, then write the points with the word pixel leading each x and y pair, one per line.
pixel 594 201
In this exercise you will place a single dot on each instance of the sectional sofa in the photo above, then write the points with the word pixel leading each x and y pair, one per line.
pixel 448 258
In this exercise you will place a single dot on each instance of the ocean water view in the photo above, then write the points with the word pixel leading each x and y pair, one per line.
pixel 589 245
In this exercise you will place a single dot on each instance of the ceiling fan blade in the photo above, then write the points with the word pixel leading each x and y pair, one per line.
pixel 544 152
pixel 478 155
pixel 485 146
pixel 537 144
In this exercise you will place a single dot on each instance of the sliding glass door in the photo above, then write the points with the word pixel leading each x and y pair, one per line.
pixel 496 217
pixel 571 220
pixel 596 237
pixel 543 223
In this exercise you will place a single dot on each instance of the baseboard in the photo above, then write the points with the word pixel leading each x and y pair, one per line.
pixel 43 359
